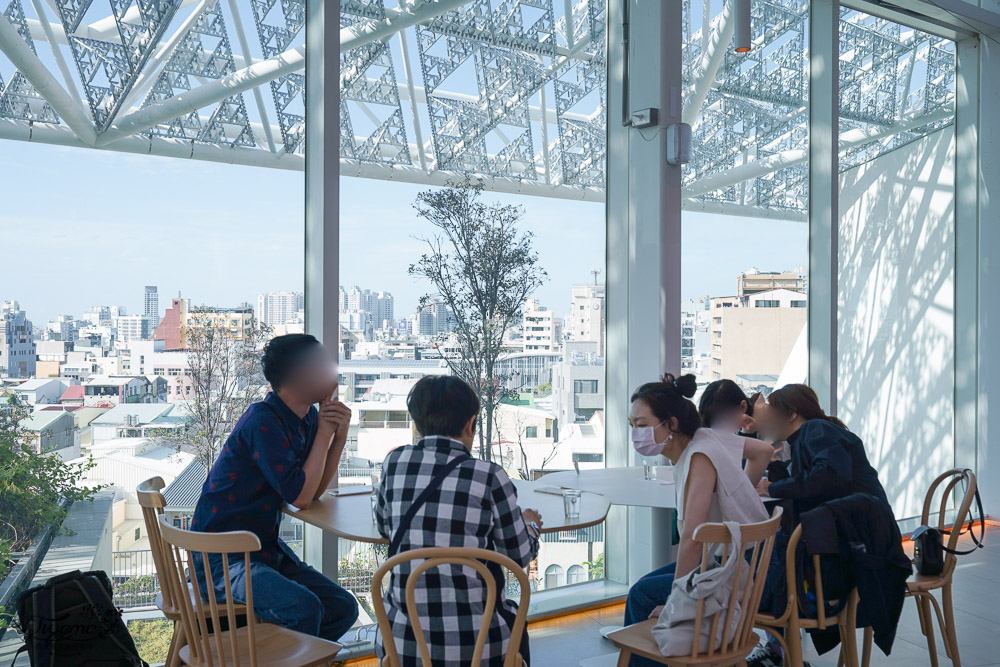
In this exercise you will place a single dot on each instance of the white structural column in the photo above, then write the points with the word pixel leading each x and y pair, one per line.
pixel 989 275
pixel 966 249
pixel 643 261
pixel 322 209
pixel 824 96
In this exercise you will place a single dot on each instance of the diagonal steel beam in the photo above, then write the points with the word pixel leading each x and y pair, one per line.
pixel 789 158
pixel 711 60
pixel 26 62
pixel 354 36
pixel 151 71
pixel 210 93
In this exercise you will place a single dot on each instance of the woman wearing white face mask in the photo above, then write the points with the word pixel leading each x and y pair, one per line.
pixel 709 482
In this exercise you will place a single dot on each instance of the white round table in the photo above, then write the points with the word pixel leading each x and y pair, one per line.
pixel 621 486
pixel 349 515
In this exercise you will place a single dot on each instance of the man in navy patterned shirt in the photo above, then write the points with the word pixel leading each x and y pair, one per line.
pixel 282 450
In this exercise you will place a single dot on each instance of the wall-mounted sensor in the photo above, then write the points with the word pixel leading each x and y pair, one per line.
pixel 645 118
pixel 678 143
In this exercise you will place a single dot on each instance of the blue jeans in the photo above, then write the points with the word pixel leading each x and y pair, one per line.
pixel 647 594
pixel 290 594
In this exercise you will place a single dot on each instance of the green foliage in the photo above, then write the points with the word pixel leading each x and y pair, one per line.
pixel 32 487
pixel 137 591
pixel 595 568
pixel 152 638
pixel 544 389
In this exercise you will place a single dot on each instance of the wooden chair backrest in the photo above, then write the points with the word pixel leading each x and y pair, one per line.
pixel 152 503
pixel 759 536
pixel 950 479
pixel 435 557
pixel 181 545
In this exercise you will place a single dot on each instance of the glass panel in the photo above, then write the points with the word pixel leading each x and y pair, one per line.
pixel 186 223
pixel 897 252
pixel 521 117
pixel 746 196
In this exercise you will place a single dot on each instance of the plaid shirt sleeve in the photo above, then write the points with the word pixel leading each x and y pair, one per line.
pixel 510 534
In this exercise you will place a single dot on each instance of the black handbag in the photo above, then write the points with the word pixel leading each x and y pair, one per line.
pixel 929 548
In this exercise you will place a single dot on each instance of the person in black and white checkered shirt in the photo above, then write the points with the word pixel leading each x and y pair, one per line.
pixel 475 506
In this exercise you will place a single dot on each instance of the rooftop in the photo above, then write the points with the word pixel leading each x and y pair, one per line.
pixel 146 412
pixel 39 421
pixel 186 489
pixel 34 384
pixel 75 392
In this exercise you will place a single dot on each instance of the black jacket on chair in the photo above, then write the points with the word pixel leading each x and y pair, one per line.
pixel 860 531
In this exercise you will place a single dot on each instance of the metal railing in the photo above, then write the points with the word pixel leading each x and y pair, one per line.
pixel 133 576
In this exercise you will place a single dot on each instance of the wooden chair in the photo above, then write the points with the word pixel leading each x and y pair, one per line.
pixel 256 644
pixel 787 627
pixel 921 587
pixel 152 503
pixel 637 639
pixel 435 557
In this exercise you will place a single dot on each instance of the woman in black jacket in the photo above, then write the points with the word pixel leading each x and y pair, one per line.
pixel 827 462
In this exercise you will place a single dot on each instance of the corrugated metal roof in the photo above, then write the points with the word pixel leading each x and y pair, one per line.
pixel 184 491
pixel 146 412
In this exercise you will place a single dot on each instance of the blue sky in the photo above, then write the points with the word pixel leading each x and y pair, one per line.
pixel 83 227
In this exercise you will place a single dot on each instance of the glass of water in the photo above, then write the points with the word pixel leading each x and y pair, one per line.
pixel 571 503
pixel 649 470
pixel 376 478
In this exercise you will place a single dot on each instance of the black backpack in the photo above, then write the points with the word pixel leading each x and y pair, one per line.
pixel 71 620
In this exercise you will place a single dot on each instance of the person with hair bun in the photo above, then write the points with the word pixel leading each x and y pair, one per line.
pixel 709 483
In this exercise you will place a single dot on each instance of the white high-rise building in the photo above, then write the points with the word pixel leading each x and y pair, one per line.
pixel 151 304
pixel 384 310
pixel 279 308
pixel 538 328
pixel 63 328
pixel 17 342
pixel 585 321
pixel 130 328
pixel 374 310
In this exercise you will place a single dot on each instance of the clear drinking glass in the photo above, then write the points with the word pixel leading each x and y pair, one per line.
pixel 376 478
pixel 649 470
pixel 571 502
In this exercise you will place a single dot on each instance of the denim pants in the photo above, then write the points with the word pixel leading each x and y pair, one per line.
pixel 647 594
pixel 290 594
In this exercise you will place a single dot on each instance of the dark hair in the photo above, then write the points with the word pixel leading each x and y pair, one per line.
pixel 283 355
pixel 669 398
pixel 442 405
pixel 719 396
pixel 801 400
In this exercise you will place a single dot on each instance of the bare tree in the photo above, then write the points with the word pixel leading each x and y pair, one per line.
pixel 483 268
pixel 226 377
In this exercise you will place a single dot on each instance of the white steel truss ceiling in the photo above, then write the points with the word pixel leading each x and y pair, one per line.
pixel 510 91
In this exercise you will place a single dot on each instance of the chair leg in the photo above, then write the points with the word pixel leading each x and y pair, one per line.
pixel 925 612
pixel 948 628
pixel 176 644
pixel 849 632
pixel 623 657
pixel 794 647
pixel 932 601
pixel 866 651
